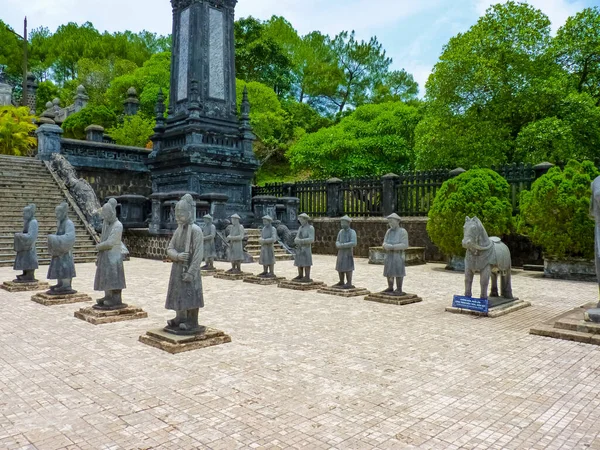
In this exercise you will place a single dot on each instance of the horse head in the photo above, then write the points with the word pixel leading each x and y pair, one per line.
pixel 475 237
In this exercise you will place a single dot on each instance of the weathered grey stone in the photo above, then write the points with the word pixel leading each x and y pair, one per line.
pixel 26 259
pixel 210 250
pixel 5 94
pixel 268 237
pixel 594 314
pixel 345 243
pixel 184 54
pixel 60 248
pixel 216 78
pixel 395 243
pixel 48 136
pixel 235 238
pixel 304 240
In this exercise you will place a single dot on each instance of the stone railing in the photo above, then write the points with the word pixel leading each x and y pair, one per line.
pixel 102 155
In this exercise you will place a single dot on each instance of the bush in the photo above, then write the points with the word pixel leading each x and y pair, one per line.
pixel 16 131
pixel 134 131
pixel 478 192
pixel 555 212
pixel 76 124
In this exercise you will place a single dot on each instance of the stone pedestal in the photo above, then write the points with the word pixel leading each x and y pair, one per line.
pixel 233 276
pixel 210 272
pixel 12 286
pixel 48 136
pixel 391 299
pixel 264 205
pixel 571 326
pixel 299 286
pixel 413 256
pixel 102 316
pixel 132 210
pixel 263 281
pixel 65 299
pixel 497 307
pixel 217 205
pixel 177 344
pixel 355 292
pixel 290 213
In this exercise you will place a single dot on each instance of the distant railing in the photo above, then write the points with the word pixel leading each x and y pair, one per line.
pixel 408 193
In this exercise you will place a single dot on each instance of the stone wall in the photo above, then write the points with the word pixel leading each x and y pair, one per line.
pixel 142 244
pixel 116 182
pixel 370 233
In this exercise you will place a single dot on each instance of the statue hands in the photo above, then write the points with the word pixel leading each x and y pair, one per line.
pixel 187 278
pixel 388 247
pixel 183 257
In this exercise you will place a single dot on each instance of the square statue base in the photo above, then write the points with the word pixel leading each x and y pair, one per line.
pixel 102 316
pixel 571 326
pixel 391 299
pixel 210 272
pixel 354 292
pixel 497 307
pixel 65 299
pixel 173 343
pixel 299 286
pixel 233 276
pixel 12 286
pixel 263 281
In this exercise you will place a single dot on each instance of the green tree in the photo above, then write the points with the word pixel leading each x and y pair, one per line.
pixel 371 141
pixel 478 192
pixel 74 126
pixel 396 86
pixel 96 75
pixel 555 212
pixel 134 131
pixel 16 131
pixel 11 51
pixel 47 91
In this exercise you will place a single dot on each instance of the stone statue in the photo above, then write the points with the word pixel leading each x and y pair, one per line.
pixel 186 249
pixel 60 248
pixel 26 259
pixel 304 240
pixel 236 242
pixel 345 243
pixel 488 256
pixel 210 249
pixel 110 275
pixel 268 237
pixel 394 244
pixel 593 315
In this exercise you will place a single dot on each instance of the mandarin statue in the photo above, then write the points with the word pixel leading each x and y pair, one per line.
pixel 236 242
pixel 394 244
pixel 60 248
pixel 490 257
pixel 593 314
pixel 186 250
pixel 268 237
pixel 210 249
pixel 110 275
pixel 345 243
pixel 26 259
pixel 304 241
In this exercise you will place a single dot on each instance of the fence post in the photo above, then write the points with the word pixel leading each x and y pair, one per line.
pixel 335 206
pixel 289 189
pixel 389 193
pixel 542 169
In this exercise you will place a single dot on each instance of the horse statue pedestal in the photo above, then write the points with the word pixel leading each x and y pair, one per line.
pixel 489 257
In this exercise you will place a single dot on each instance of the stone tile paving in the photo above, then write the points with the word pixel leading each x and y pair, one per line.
pixel 304 370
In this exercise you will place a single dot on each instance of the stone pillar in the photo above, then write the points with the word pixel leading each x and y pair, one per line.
pixel 542 169
pixel 154 226
pixel 81 99
pixel 94 133
pixel 264 205
pixel 32 87
pixel 218 204
pixel 132 104
pixel 48 136
pixel 389 193
pixel 335 207
pixel 5 94
pixel 132 211
pixel 290 214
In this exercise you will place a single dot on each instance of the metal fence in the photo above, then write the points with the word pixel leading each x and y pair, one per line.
pixel 408 194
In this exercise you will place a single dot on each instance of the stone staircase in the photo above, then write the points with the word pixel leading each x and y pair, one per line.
pixel 253 247
pixel 24 181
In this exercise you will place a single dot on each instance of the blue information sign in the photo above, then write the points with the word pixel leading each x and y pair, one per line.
pixel 471 303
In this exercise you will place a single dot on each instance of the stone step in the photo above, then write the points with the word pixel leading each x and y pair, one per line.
pixel 79 245
pixel 21 180
pixel 46 261
pixel 78 234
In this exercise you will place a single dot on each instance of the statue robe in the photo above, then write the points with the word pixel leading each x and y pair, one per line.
pixel 25 247
pixel 210 250
pixel 346 241
pixel 60 247
pixel 236 241
pixel 110 274
pixel 304 240
pixel 394 259
pixel 184 295
pixel 267 248
pixel 595 214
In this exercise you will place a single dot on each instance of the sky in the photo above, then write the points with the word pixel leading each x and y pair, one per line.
pixel 413 32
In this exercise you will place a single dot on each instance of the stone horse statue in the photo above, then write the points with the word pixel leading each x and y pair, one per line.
pixel 490 257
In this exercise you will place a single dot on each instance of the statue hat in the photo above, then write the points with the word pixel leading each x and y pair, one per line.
pixel 235 216
pixel 207 216
pixel 305 216
pixel 346 218
pixel 394 216
pixel 269 218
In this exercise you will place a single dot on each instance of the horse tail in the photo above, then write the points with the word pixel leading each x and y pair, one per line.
pixel 503 261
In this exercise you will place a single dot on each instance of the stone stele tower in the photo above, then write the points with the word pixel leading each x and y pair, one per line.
pixel 203 146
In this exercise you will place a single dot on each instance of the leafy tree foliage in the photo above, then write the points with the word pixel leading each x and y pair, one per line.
pixel 75 125
pixel 373 140
pixel 555 212
pixel 11 51
pixel 16 131
pixel 477 192
pixel 134 131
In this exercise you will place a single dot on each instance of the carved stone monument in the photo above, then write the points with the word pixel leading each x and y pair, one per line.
pixel 202 146
pixel 268 237
pixel 489 257
pixel 235 239
pixel 345 243
pixel 62 266
pixel 303 259
pixel 395 243
pixel 210 248
pixel 26 259
pixel 184 295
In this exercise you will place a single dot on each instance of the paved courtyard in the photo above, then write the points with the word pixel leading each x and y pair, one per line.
pixel 304 370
